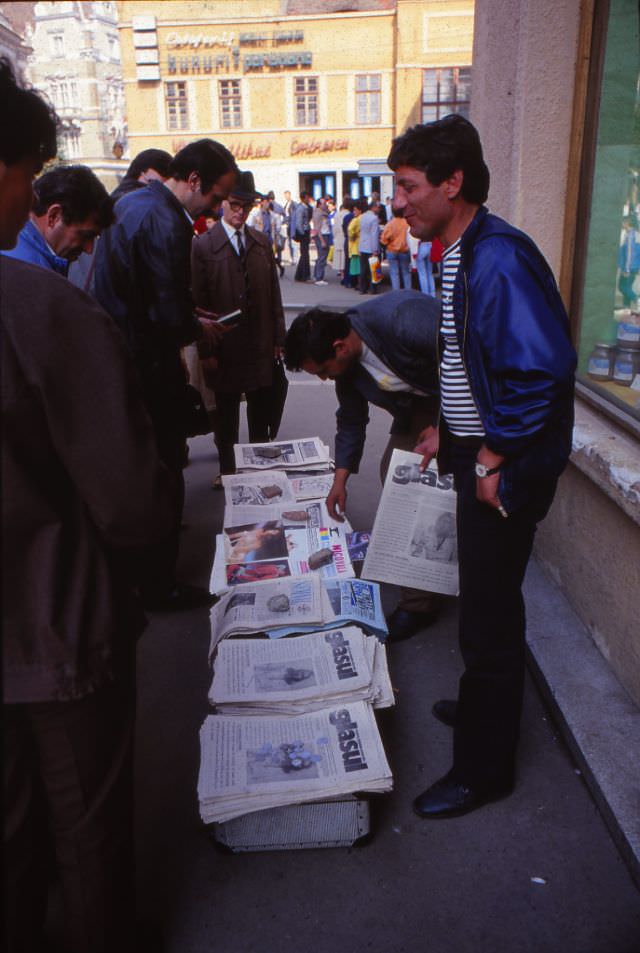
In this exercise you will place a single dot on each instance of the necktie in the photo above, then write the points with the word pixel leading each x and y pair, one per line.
pixel 242 255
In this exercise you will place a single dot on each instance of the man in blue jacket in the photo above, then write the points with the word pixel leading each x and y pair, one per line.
pixel 70 208
pixel 143 280
pixel 383 353
pixel 506 378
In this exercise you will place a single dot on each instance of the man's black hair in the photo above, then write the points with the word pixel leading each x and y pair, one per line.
pixel 156 159
pixel 27 123
pixel 439 149
pixel 78 191
pixel 311 336
pixel 209 159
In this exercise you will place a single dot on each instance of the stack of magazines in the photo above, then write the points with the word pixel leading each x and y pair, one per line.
pixel 301 674
pixel 256 762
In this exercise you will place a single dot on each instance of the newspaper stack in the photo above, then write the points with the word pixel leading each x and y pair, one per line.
pixel 301 674
pixel 295 606
pixel 305 454
pixel 258 762
pixel 413 541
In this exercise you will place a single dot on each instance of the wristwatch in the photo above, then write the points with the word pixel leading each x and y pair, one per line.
pixel 484 471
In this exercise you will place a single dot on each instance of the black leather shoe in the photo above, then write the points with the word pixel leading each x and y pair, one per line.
pixel 182 596
pixel 445 711
pixel 403 624
pixel 450 798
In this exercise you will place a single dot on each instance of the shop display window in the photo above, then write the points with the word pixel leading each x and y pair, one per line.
pixel 609 332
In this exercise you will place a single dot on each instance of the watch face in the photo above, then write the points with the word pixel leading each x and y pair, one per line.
pixel 481 470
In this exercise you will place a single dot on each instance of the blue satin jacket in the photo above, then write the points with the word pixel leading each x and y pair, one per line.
pixel 32 248
pixel 513 333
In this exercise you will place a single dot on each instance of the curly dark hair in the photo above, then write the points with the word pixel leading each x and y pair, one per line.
pixel 441 148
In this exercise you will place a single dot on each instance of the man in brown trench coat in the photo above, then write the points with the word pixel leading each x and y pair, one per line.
pixel 233 268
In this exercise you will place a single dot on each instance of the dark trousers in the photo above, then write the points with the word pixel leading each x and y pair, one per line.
pixel 366 285
pixel 68 790
pixel 493 555
pixel 322 247
pixel 258 411
pixel 303 270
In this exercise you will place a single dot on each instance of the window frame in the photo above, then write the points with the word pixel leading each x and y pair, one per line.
pixel 230 101
pixel 368 95
pixel 445 106
pixel 304 96
pixel 175 100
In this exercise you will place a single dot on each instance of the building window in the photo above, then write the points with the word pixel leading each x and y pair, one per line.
pixel 606 297
pixel 71 144
pixel 57 45
pixel 306 100
pixel 368 98
pixel 230 103
pixel 444 91
pixel 177 106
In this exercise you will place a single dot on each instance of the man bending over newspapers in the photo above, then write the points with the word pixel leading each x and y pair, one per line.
pixel 381 352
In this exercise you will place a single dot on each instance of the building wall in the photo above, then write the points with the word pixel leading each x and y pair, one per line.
pixel 391 43
pixel 76 62
pixel 526 95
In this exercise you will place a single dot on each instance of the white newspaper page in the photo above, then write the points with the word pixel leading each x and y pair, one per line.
pixel 283 455
pixel 256 608
pixel 248 764
pixel 308 668
pixel 413 542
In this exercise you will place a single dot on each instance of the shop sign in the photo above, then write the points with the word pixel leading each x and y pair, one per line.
pixel 225 62
pixel 239 150
pixel 318 145
pixel 194 41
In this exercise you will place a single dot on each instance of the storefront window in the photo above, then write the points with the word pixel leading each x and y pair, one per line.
pixel 609 340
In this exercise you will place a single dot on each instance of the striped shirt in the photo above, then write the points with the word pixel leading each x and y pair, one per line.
pixel 458 406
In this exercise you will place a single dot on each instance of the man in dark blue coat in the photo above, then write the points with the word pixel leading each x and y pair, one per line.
pixel 143 280
pixel 506 375
pixel 382 352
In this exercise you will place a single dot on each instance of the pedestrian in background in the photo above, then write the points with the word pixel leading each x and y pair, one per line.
pixel 233 268
pixel 339 257
pixel 302 235
pixel 321 232
pixel 394 238
pixel 369 245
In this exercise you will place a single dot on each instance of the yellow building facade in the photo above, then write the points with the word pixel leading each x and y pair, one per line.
pixel 304 100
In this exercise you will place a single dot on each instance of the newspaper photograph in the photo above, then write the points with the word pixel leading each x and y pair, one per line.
pixel 301 538
pixel 312 487
pixel 413 541
pixel 256 608
pixel 283 455
pixel 345 601
pixel 255 491
pixel 291 513
pixel 249 764
pixel 303 673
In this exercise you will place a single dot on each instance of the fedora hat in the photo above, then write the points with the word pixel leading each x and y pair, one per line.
pixel 245 188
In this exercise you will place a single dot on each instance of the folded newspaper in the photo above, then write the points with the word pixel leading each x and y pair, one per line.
pixel 300 674
pixel 413 541
pixel 257 607
pixel 258 762
pixel 306 453
pixel 343 601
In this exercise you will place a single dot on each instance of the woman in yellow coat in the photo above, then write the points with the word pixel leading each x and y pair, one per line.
pixel 354 242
